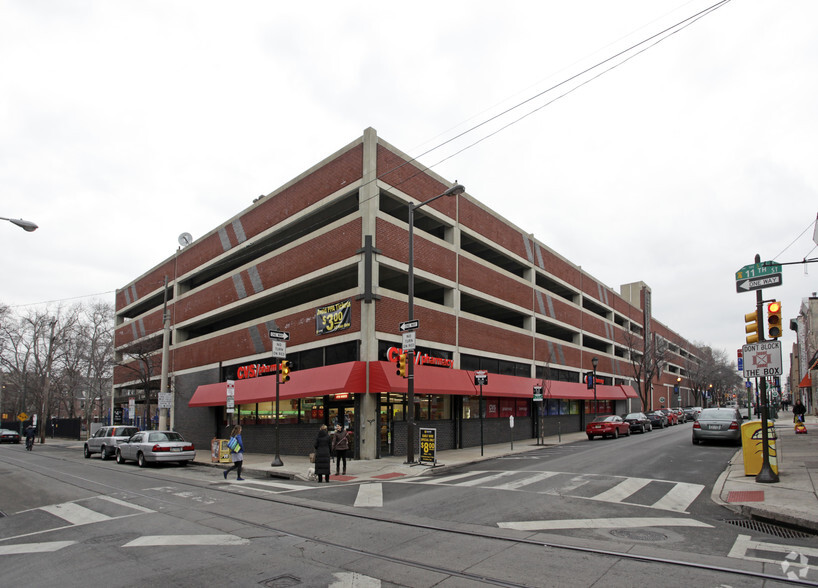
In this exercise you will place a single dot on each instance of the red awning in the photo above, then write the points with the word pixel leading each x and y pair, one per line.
pixel 332 379
pixel 351 378
pixel 806 381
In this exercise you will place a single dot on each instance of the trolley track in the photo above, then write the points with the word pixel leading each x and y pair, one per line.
pixel 482 533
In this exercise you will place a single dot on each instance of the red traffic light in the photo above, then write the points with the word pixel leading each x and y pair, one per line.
pixel 774 319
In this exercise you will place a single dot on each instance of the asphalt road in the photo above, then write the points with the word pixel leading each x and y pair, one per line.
pixel 520 521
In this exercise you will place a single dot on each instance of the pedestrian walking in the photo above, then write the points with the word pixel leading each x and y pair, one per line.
pixel 236 445
pixel 798 412
pixel 340 445
pixel 322 454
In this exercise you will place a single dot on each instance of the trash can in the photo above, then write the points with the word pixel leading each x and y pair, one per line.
pixel 752 447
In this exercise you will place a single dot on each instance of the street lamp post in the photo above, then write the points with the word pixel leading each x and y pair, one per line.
pixel 23 224
pixel 595 362
pixel 410 372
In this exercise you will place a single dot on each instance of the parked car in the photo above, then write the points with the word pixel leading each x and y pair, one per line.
pixel 607 425
pixel 658 419
pixel 691 412
pixel 638 421
pixel 154 447
pixel 718 424
pixel 680 414
pixel 9 436
pixel 106 439
pixel 672 419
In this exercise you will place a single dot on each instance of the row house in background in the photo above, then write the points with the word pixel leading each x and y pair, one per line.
pixel 325 258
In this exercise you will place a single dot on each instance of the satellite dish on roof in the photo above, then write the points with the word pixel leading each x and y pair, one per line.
pixel 185 239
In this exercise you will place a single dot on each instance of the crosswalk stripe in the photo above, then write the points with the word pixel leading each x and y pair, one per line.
pixel 607 523
pixel 447 479
pixel 125 504
pixel 487 479
pixel 75 514
pixel 527 481
pixel 44 547
pixel 744 546
pixel 369 495
pixel 176 540
pixel 679 497
pixel 622 490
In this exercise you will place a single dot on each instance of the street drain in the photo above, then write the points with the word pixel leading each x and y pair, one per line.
pixel 639 535
pixel 281 582
pixel 768 528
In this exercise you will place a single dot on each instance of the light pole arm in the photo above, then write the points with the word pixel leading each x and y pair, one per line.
pixel 23 224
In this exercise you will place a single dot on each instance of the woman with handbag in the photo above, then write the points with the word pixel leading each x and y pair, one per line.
pixel 322 454
pixel 236 445
pixel 340 445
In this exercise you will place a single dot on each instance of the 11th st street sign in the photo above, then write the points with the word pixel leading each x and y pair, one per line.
pixel 758 276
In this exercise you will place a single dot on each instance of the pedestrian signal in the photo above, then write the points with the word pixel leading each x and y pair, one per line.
pixel 286 366
pixel 752 327
pixel 774 320
pixel 402 365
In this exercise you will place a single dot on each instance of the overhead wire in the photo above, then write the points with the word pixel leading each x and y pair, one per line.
pixel 625 55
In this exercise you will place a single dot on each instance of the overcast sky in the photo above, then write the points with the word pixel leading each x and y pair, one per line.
pixel 124 124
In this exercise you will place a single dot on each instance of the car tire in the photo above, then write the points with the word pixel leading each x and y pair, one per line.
pixel 85 452
pixel 140 460
pixel 628 432
pixel 616 434
pixel 119 458
pixel 103 453
pixel 590 437
pixel 695 441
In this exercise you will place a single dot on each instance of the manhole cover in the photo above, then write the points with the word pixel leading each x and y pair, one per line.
pixel 281 582
pixel 639 535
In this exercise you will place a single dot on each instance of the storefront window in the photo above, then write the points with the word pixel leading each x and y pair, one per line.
pixel 506 408
pixel 471 407
pixel 521 408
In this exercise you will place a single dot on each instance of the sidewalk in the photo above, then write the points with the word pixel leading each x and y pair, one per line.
pixel 793 500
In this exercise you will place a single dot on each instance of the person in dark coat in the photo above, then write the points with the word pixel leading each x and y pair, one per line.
pixel 322 454
pixel 340 445
pixel 798 412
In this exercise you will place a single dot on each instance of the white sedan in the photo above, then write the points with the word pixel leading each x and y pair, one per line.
pixel 155 446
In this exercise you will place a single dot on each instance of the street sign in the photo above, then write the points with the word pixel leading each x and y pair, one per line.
pixel 22 417
pixel 758 270
pixel 762 359
pixel 280 335
pixel 409 325
pixel 481 378
pixel 537 393
pixel 768 281
pixel 280 349
pixel 408 341
pixel 740 360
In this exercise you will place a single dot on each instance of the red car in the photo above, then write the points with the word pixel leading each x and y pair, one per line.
pixel 607 425
pixel 672 417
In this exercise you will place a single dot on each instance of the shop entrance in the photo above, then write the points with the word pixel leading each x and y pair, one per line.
pixel 342 412
pixel 390 409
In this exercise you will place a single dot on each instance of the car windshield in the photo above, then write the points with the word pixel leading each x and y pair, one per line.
pixel 634 415
pixel 717 415
pixel 605 419
pixel 168 436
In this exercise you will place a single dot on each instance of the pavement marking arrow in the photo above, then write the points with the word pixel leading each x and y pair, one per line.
pixel 34 547
pixel 163 540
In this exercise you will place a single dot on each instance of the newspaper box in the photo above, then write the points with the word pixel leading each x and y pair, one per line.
pixel 219 451
pixel 752 447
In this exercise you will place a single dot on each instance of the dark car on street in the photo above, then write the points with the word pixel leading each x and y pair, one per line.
pixel 9 436
pixel 658 419
pixel 638 422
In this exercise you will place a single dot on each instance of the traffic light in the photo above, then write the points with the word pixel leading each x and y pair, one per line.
pixel 774 319
pixel 402 365
pixel 286 366
pixel 752 328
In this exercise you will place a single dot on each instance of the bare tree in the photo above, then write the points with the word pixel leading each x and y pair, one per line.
pixel 647 359
pixel 143 359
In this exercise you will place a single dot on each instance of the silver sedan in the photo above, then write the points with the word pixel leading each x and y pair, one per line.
pixel 718 424
pixel 155 446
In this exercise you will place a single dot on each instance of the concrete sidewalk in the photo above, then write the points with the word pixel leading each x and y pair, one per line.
pixel 793 500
